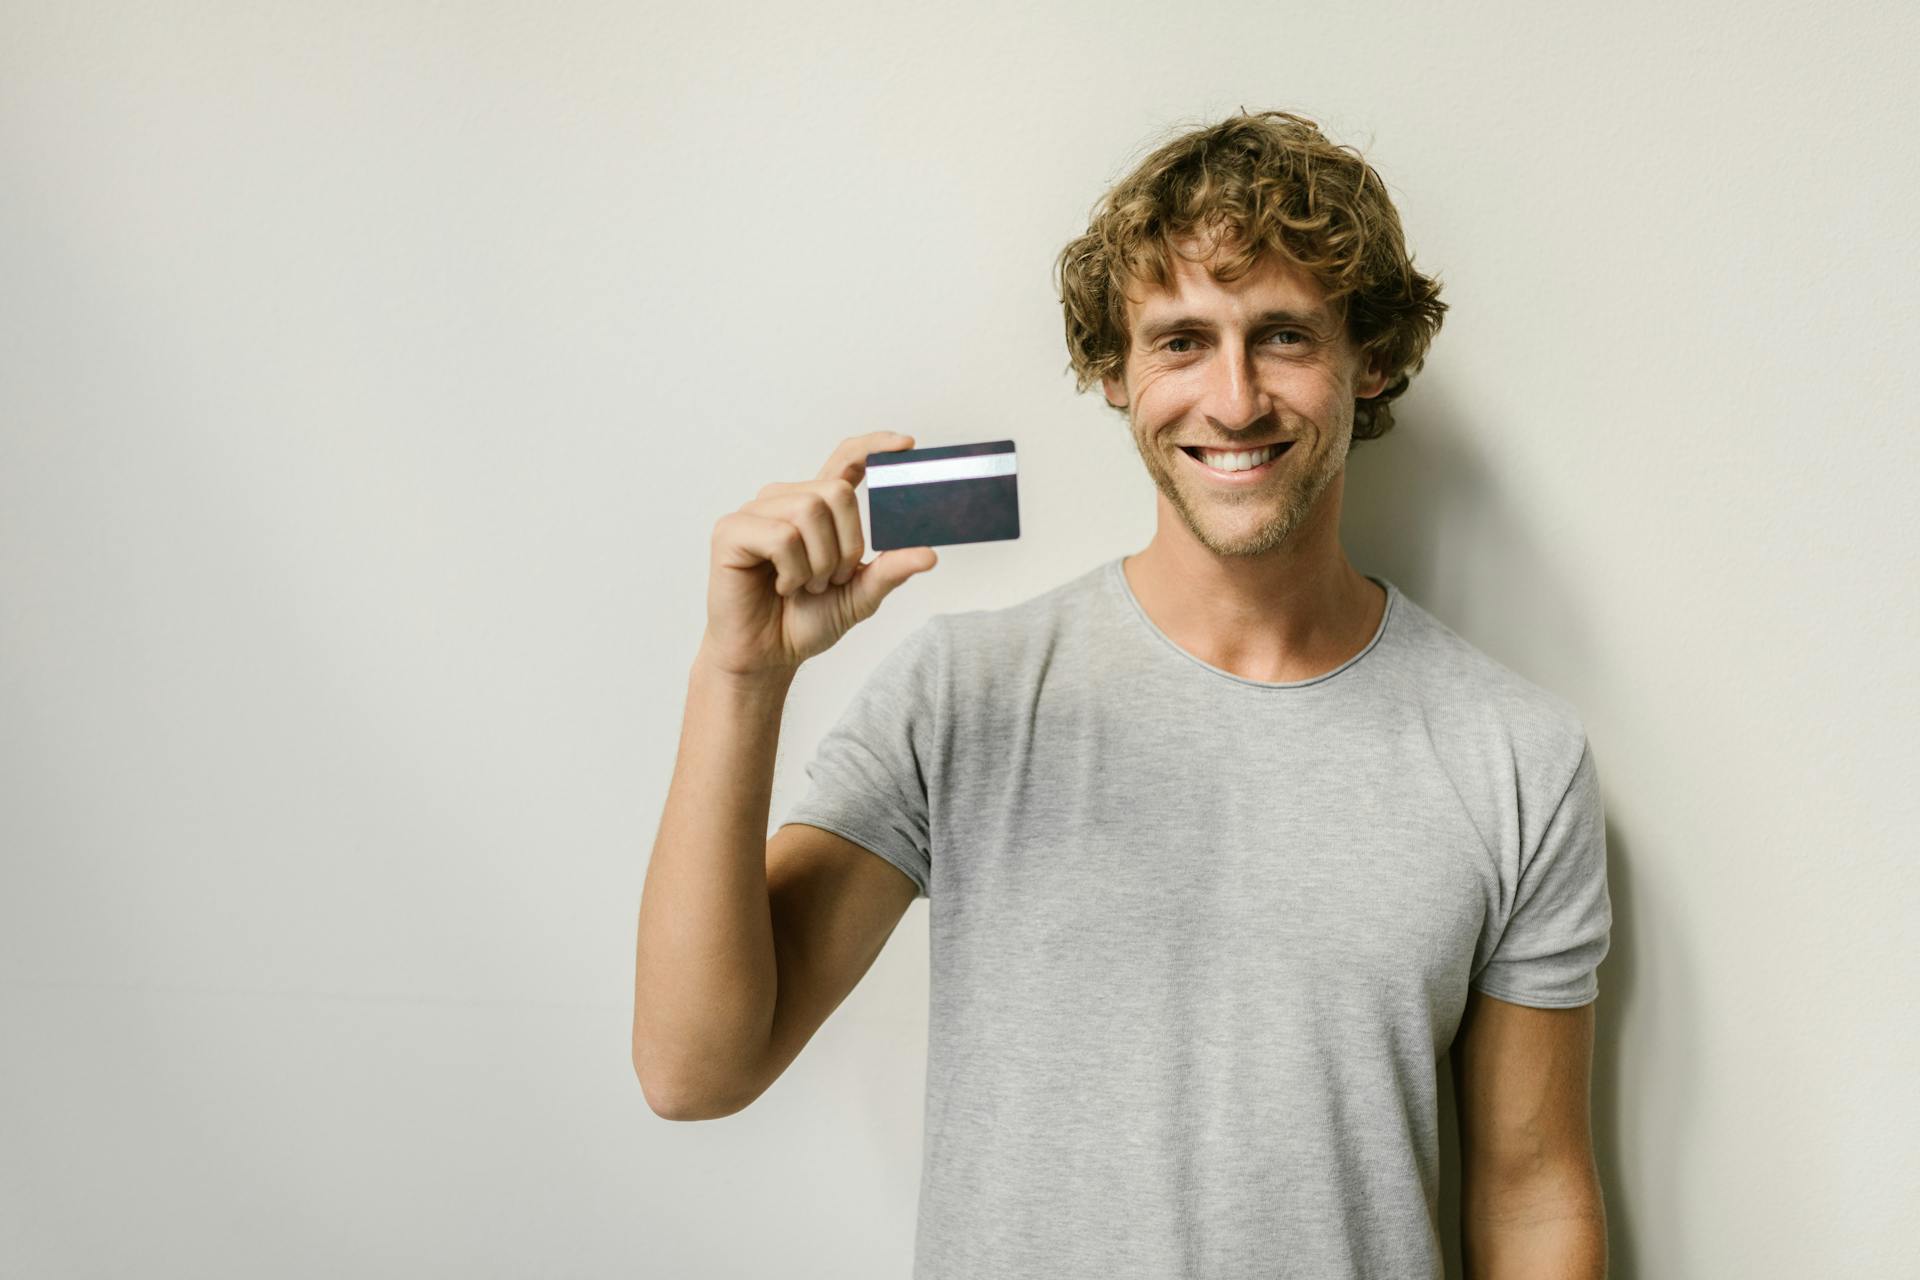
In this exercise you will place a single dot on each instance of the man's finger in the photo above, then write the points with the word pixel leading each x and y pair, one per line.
pixel 849 461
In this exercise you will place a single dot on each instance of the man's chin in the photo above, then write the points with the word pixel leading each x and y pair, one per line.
pixel 1236 538
pixel 1265 541
pixel 1236 535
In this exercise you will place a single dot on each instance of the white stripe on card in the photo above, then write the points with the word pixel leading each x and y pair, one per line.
pixel 935 469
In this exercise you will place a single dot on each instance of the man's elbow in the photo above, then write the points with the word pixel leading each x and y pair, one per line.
pixel 689 1107
pixel 683 1098
pixel 672 1106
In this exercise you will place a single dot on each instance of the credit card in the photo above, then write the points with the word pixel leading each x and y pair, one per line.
pixel 946 494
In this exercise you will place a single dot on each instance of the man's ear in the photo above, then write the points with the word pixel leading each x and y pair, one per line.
pixel 1116 391
pixel 1372 382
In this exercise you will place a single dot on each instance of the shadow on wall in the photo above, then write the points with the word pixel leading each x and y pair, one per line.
pixel 1426 507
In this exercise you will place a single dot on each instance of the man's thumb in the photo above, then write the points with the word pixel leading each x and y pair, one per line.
pixel 879 576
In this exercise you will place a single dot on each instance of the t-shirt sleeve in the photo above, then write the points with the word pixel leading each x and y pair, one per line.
pixel 868 778
pixel 1549 952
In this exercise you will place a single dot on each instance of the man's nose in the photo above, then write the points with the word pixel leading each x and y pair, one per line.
pixel 1234 401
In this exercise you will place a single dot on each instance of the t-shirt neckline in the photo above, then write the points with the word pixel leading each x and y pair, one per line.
pixel 1118 579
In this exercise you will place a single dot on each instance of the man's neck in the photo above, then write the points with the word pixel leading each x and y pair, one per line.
pixel 1292 614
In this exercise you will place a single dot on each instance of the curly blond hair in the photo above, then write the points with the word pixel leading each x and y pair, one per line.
pixel 1246 186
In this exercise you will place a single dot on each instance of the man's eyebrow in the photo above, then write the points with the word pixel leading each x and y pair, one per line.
pixel 1305 319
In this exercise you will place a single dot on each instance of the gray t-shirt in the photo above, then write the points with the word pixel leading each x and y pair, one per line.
pixel 1199 941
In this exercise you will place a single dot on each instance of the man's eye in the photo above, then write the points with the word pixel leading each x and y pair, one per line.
pixel 1301 337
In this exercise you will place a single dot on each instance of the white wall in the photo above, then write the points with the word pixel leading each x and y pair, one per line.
pixel 371 376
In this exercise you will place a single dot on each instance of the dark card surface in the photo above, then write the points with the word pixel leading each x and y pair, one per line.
pixel 946 494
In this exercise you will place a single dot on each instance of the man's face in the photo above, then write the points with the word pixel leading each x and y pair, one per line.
pixel 1258 361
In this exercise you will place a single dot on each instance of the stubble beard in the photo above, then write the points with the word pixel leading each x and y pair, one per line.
pixel 1290 497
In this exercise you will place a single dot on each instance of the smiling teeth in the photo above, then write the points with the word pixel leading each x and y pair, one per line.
pixel 1237 461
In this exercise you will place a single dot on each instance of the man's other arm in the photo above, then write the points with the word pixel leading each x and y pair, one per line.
pixel 1530 1199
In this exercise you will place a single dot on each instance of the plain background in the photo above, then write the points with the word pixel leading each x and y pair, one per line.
pixel 372 374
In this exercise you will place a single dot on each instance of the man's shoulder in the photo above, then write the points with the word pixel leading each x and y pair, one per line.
pixel 1034 621
pixel 1458 682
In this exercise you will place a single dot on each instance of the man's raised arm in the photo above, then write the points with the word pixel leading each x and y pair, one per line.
pixel 786 582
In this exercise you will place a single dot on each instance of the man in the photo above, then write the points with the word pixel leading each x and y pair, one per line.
pixel 1224 842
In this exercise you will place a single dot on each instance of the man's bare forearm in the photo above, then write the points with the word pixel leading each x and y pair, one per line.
pixel 1547 1229
pixel 705 974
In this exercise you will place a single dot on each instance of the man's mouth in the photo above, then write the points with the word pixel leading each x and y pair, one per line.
pixel 1241 464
